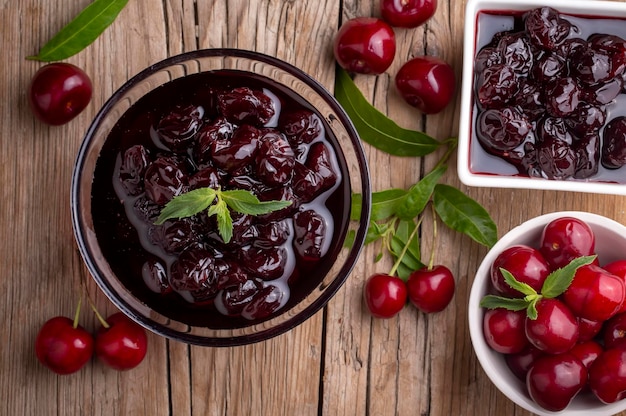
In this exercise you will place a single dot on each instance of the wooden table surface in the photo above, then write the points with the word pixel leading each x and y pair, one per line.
pixel 339 362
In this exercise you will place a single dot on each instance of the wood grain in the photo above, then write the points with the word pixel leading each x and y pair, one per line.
pixel 340 362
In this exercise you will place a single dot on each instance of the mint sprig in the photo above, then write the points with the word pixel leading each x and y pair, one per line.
pixel 555 284
pixel 218 203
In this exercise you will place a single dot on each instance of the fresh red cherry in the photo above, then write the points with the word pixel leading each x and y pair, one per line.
pixel 555 330
pixel 525 263
pixel 120 343
pixel 407 13
pixel 504 330
pixel 607 375
pixel 565 239
pixel 63 346
pixel 365 45
pixel 554 380
pixel 594 294
pixel 431 289
pixel 614 331
pixel 587 352
pixel 427 83
pixel 618 268
pixel 519 363
pixel 385 295
pixel 58 92
pixel 587 330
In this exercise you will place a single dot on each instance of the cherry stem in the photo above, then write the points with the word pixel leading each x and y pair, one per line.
pixel 431 261
pixel 392 272
pixel 77 313
pixel 103 321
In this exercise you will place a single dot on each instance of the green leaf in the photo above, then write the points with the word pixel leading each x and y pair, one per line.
pixel 419 195
pixel 461 213
pixel 245 202
pixel 531 310
pixel 81 31
pixel 187 204
pixel 559 280
pixel 523 288
pixel 384 204
pixel 512 304
pixel 411 259
pixel 224 220
pixel 376 128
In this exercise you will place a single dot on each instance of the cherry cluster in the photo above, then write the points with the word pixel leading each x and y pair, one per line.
pixel 367 45
pixel 567 333
pixel 64 347
pixel 544 93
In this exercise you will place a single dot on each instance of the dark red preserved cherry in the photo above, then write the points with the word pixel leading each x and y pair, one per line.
pixel 427 83
pixel 59 92
pixel 237 152
pixel 275 159
pixel 496 86
pixel 135 161
pixel 165 178
pixel 516 52
pixel 310 235
pixel 504 330
pixel 585 119
pixel 525 263
pixel 546 28
pixel 587 149
pixel 613 46
pixel 502 129
pixel 264 303
pixel 556 158
pixel 302 126
pixel 193 275
pixel 319 160
pixel 271 234
pixel 564 239
pixel 365 45
pixel 246 106
pixel 562 96
pixel 175 236
pixel 407 13
pixel 486 57
pixel 264 263
pixel 155 277
pixel 178 128
pixel 234 299
pixel 554 380
pixel 614 143
pixel 217 130
pixel 590 65
pixel 548 67
pixel 385 295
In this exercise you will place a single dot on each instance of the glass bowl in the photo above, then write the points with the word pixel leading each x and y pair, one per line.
pixel 348 237
pixel 610 238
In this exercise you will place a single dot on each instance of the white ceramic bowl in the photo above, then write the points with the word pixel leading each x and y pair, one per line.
pixel 610 246
pixel 475 166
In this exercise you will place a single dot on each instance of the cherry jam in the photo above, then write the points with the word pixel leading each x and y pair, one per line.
pixel 546 86
pixel 233 131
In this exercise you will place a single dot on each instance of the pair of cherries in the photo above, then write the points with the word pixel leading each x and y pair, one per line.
pixel 65 347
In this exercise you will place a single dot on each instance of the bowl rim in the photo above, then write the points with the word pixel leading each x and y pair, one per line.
pixel 608 9
pixel 329 291
pixel 475 313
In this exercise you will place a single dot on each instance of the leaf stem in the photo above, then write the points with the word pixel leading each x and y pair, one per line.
pixel 100 317
pixel 77 313
pixel 405 248
pixel 433 249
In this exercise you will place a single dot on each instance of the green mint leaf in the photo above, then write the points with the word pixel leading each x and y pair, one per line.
pixel 81 31
pixel 512 304
pixel 384 204
pixel 224 221
pixel 245 202
pixel 419 195
pixel 461 213
pixel 523 288
pixel 187 204
pixel 531 310
pixel 559 280
pixel 376 128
